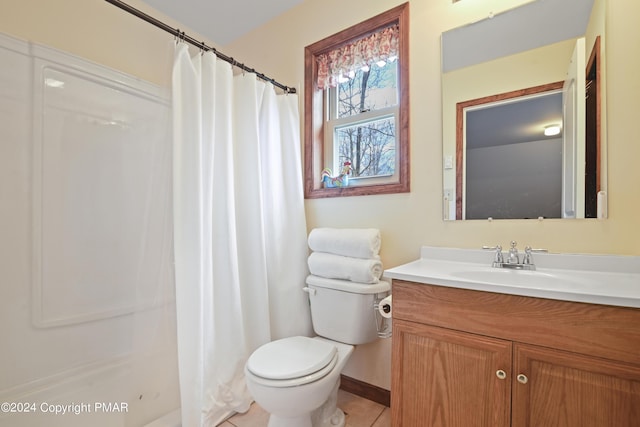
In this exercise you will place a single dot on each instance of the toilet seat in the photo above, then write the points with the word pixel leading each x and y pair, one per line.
pixel 292 361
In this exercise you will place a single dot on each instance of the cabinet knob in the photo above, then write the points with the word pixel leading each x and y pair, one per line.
pixel 501 374
pixel 522 378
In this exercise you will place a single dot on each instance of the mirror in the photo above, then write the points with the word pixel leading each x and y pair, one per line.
pixel 505 79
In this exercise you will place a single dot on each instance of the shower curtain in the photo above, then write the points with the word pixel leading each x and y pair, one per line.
pixel 239 229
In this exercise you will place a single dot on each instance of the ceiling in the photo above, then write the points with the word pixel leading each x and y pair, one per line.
pixel 522 120
pixel 222 21
pixel 526 27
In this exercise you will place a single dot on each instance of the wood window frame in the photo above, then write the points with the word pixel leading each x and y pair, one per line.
pixel 314 103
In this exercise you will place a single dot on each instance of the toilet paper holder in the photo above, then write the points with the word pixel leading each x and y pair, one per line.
pixel 383 324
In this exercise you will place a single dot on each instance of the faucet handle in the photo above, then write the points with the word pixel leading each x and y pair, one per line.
pixel 537 250
pixel 492 248
pixel 498 257
pixel 528 258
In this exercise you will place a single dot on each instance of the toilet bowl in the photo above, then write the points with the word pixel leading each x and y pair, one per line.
pixel 293 377
pixel 296 379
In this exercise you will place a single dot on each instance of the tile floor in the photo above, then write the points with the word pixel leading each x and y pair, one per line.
pixel 360 412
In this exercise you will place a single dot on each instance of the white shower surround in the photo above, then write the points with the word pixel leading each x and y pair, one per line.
pixel 118 344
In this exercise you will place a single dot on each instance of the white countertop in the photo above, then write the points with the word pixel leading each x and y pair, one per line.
pixel 598 279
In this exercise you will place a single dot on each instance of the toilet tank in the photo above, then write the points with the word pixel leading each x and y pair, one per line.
pixel 344 311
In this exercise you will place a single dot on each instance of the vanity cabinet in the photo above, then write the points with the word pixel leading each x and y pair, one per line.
pixel 443 378
pixel 465 358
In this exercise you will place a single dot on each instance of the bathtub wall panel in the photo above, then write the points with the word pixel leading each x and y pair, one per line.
pixel 87 312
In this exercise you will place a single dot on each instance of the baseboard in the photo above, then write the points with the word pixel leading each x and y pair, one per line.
pixel 368 391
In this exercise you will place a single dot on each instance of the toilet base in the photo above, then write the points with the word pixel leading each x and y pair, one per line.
pixel 336 420
pixel 327 415
pixel 276 421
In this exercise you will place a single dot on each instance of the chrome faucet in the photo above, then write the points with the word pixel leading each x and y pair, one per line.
pixel 513 258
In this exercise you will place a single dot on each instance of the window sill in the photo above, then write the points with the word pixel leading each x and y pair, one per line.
pixel 362 190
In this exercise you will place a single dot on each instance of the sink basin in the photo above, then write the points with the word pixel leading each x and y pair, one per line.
pixel 501 276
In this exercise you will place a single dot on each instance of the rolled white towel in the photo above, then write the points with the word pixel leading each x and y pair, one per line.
pixel 347 268
pixel 351 242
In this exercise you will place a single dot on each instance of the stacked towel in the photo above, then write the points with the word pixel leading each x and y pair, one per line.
pixel 347 268
pixel 351 242
pixel 345 254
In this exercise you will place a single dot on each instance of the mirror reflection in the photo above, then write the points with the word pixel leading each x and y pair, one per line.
pixel 500 103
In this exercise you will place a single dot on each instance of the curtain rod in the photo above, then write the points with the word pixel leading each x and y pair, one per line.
pixel 200 44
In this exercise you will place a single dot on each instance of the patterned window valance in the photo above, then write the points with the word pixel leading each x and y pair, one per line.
pixel 379 46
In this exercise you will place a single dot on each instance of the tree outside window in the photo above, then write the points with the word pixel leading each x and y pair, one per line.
pixel 370 144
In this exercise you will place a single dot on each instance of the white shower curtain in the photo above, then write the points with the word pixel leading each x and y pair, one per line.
pixel 239 229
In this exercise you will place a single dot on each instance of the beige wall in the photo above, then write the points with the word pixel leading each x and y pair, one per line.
pixel 100 32
pixel 408 221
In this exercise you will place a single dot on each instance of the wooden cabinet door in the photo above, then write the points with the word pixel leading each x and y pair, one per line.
pixel 446 378
pixel 571 390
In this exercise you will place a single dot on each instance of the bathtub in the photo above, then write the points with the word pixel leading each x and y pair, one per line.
pixel 107 394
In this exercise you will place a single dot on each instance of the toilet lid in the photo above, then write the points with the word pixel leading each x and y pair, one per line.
pixel 291 358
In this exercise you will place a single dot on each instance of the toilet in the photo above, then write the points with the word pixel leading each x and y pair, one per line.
pixel 296 379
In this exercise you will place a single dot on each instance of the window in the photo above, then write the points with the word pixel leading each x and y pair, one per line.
pixel 360 129
pixel 357 108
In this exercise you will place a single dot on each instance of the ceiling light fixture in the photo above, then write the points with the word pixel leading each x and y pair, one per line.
pixel 551 130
